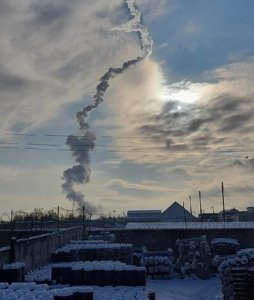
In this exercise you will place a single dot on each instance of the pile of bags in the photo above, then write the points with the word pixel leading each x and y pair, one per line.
pixel 224 246
pixel 158 264
pixel 193 258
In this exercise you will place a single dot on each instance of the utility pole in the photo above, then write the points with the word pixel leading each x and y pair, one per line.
pixel 11 223
pixel 90 220
pixel 58 218
pixel 212 207
pixel 184 215
pixel 200 204
pixel 83 223
pixel 223 201
pixel 190 205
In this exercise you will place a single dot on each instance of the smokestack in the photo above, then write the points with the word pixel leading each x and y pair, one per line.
pixel 81 146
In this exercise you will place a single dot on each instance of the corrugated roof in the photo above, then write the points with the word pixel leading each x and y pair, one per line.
pixel 144 214
pixel 189 225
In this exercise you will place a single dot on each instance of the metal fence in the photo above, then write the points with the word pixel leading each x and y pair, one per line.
pixel 24 224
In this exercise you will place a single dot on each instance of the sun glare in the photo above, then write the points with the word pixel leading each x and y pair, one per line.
pixel 182 92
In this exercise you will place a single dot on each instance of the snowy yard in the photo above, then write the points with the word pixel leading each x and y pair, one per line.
pixel 186 289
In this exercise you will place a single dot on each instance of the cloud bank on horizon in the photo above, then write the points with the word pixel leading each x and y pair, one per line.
pixel 179 122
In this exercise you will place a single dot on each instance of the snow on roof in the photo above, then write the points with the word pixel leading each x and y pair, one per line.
pixel 89 242
pixel 45 273
pixel 93 246
pixel 242 257
pixel 24 290
pixel 6 248
pixel 225 241
pixel 188 225
pixel 13 266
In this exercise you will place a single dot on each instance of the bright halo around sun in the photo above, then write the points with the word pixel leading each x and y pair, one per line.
pixel 183 92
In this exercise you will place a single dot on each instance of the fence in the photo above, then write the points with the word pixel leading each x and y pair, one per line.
pixel 189 225
pixel 44 221
pixel 36 251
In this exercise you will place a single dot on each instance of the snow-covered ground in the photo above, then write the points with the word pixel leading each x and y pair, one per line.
pixel 186 289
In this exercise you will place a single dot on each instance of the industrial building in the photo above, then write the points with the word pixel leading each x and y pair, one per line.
pixel 174 213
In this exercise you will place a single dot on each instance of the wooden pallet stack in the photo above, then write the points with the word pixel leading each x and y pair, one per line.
pixel 237 276
pixel 240 284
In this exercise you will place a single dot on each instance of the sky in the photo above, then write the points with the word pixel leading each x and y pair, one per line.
pixel 179 121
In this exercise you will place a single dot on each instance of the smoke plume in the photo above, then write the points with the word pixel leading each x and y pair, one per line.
pixel 82 145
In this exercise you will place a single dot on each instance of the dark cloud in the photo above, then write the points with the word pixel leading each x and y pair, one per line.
pixel 199 126
pixel 195 124
pixel 72 68
pixel 81 147
pixel 236 121
pixel 47 13
pixel 5 8
pixel 249 189
pixel 12 82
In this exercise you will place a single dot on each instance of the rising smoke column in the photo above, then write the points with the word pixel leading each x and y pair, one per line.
pixel 82 145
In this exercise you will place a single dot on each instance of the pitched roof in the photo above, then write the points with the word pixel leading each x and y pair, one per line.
pixel 176 213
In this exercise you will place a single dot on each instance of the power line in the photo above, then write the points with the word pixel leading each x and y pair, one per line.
pixel 213 200
pixel 133 147
pixel 133 150
pixel 123 137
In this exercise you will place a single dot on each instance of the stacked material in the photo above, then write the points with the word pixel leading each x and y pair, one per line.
pixel 101 273
pixel 240 282
pixel 194 258
pixel 137 255
pixel 237 275
pixel 158 264
pixel 93 251
pixel 224 246
pixel 88 242
pixel 40 276
pixel 110 237
pixel 14 272
pixel 31 291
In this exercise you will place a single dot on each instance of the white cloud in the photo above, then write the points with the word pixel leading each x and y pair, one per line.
pixel 53 54
pixel 120 185
pixel 202 164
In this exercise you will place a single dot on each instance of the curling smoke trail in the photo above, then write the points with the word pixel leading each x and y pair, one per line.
pixel 81 146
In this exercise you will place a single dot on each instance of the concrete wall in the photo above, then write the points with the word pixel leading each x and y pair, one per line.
pixel 4 255
pixel 162 239
pixel 5 235
pixel 36 251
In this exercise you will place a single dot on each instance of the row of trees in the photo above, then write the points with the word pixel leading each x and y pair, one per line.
pixel 39 214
